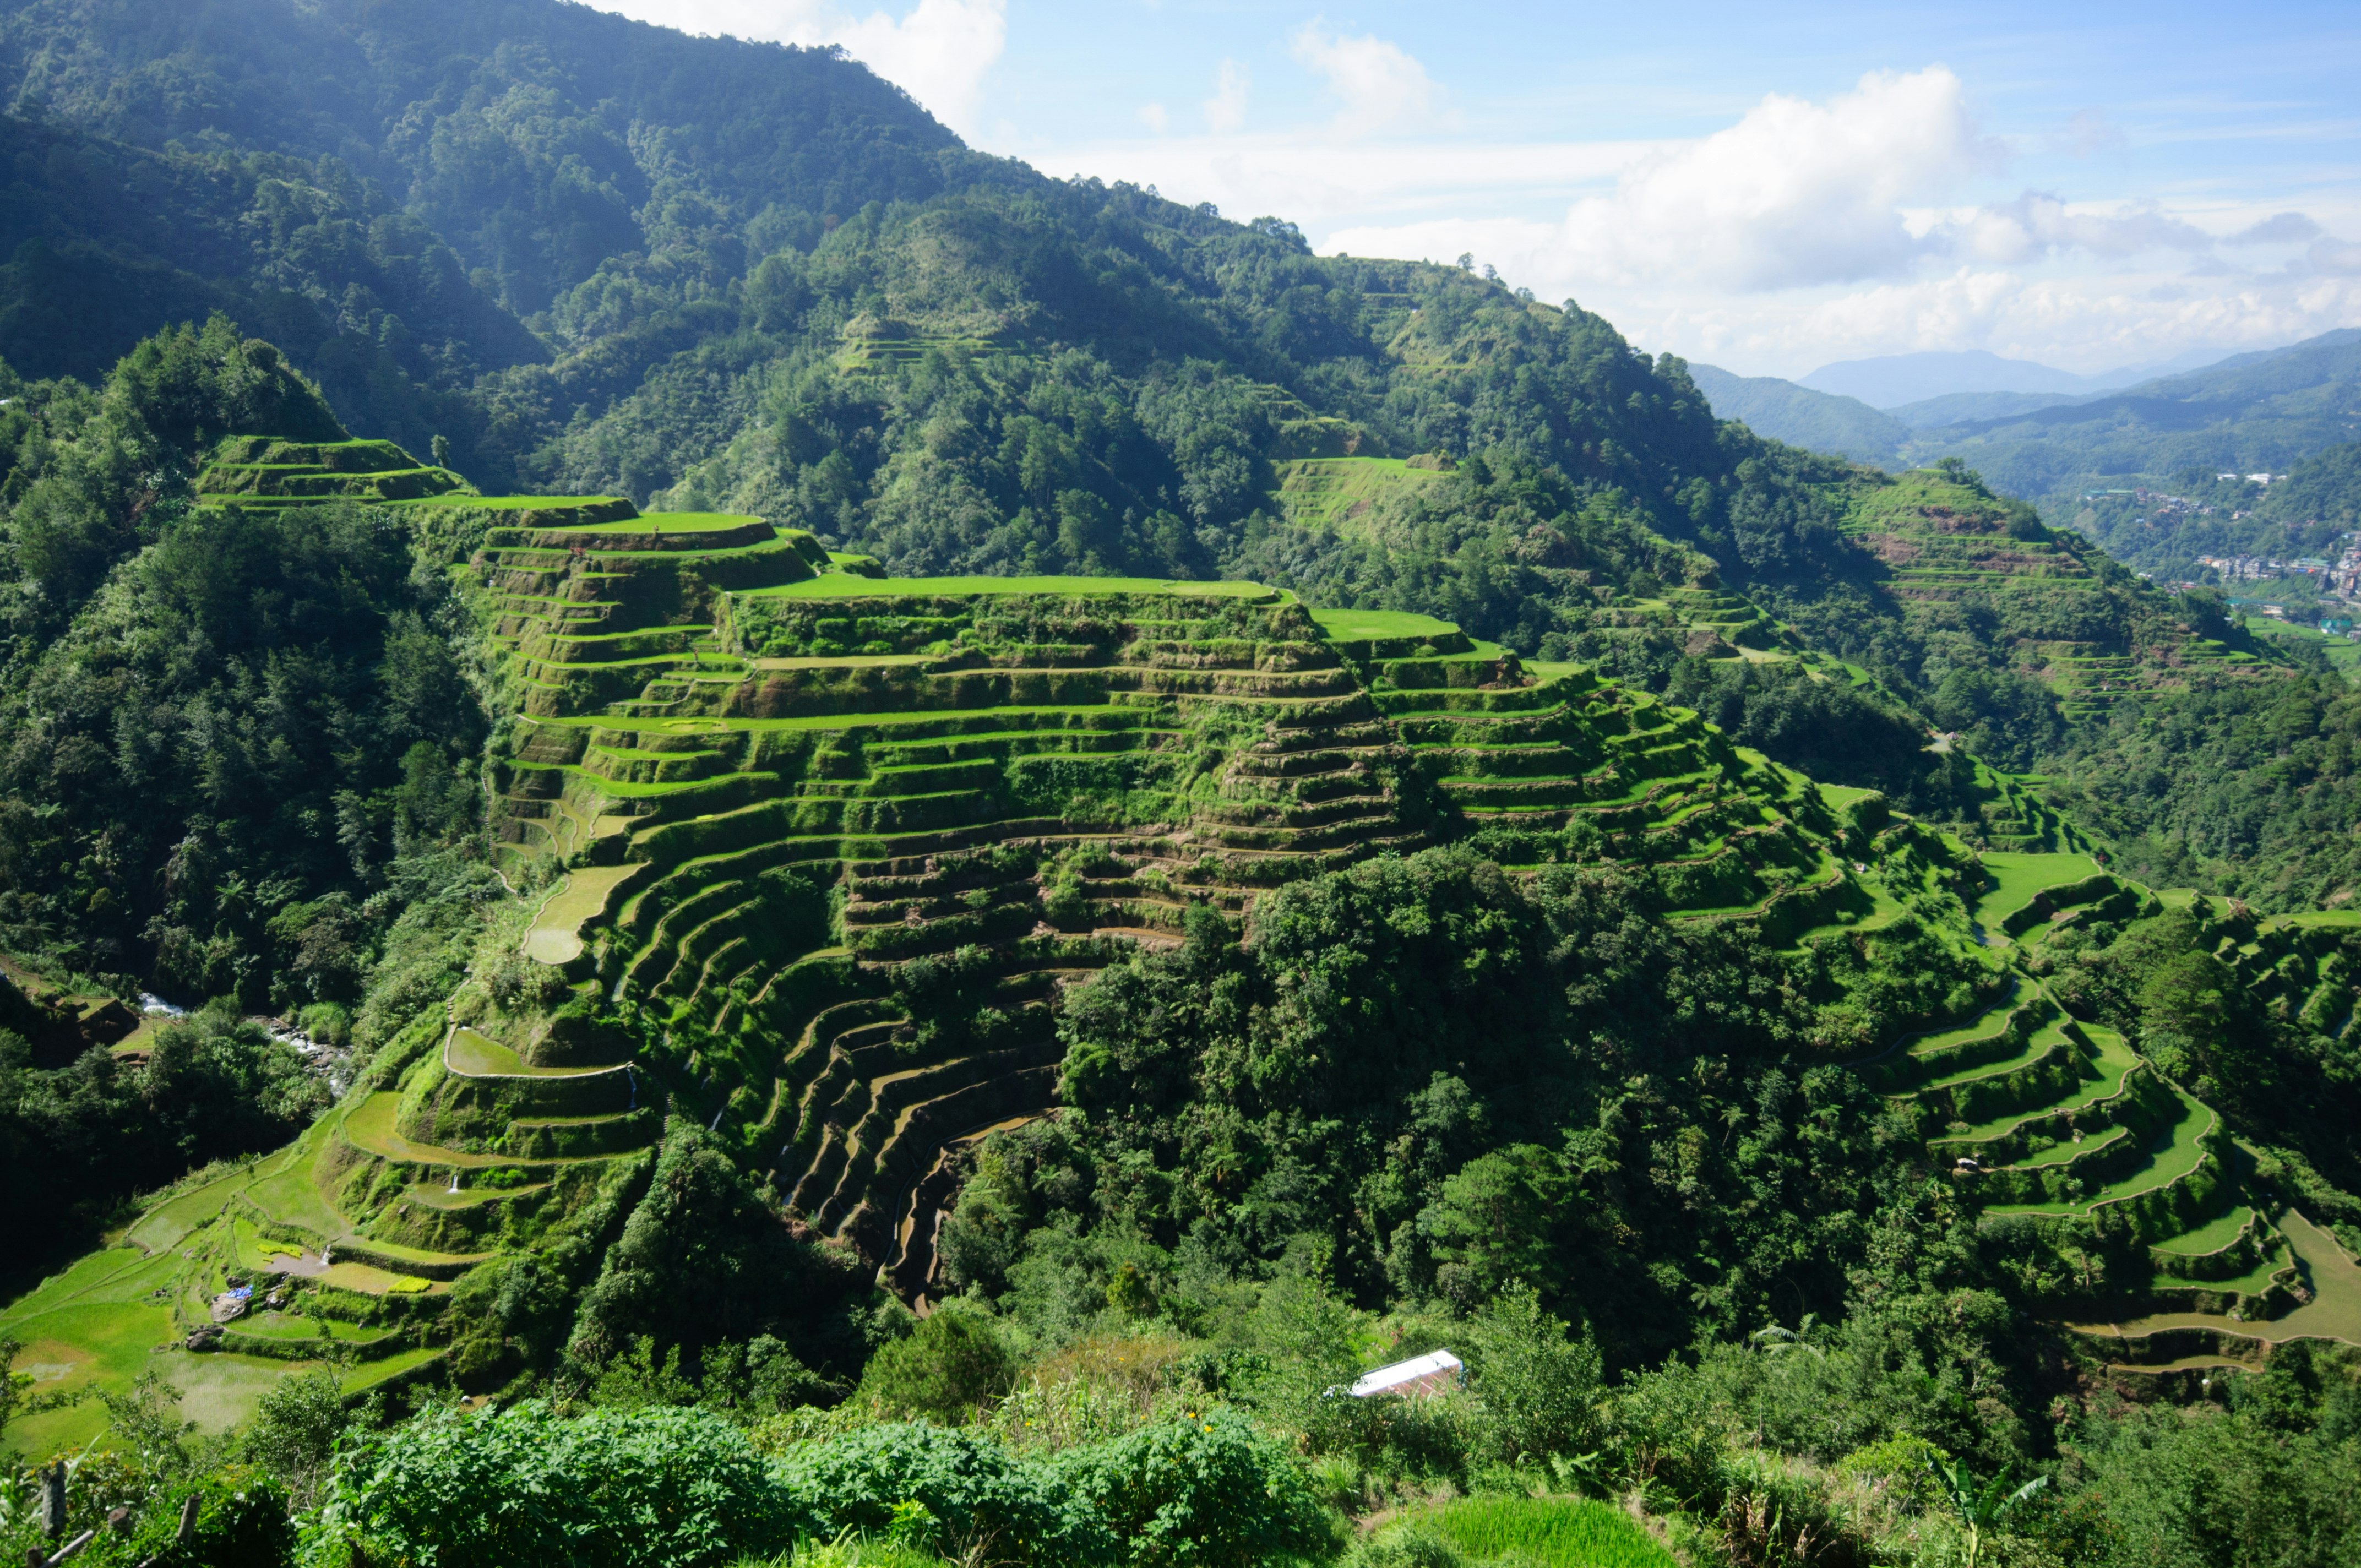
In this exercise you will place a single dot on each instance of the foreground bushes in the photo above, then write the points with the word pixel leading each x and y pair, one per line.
pixel 525 1487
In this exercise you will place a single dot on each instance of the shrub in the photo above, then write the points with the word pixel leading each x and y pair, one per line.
pixel 1537 1389
pixel 1210 1493
pixel 293 1431
pixel 950 1366
pixel 980 1495
pixel 524 1488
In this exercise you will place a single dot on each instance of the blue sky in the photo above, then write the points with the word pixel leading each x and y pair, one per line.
pixel 1766 187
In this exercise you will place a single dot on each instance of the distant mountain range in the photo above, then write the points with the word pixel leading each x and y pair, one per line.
pixel 1894 380
pixel 2250 412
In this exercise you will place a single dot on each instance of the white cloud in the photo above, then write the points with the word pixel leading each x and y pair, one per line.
pixel 2036 224
pixel 1810 232
pixel 1225 111
pixel 1378 85
pixel 1794 194
pixel 1153 116
pixel 939 51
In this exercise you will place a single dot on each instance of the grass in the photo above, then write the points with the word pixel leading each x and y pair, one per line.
pixel 2343 654
pixel 368 1127
pixel 371 1373
pixel 839 586
pixel 80 1345
pixel 1992 1020
pixel 2113 1064
pixel 1545 1532
pixel 1838 797
pixel 506 503
pixel 2018 878
pixel 476 1055
pixel 2039 1045
pixel 1333 490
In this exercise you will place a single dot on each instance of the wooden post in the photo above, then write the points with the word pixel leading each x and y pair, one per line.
pixel 53 1501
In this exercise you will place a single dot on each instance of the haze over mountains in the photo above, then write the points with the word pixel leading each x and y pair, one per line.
pixel 1893 380
pixel 2261 411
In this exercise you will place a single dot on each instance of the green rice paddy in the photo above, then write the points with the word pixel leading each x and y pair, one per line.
pixel 1545 1532
pixel 667 523
pixel 838 585
pixel 506 503
pixel 2333 1313
pixel 554 936
pixel 2018 879
pixel 2212 1235
pixel 2172 1160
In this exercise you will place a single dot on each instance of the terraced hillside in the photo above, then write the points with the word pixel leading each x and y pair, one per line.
pixel 810 855
pixel 270 471
pixel 338 1252
pixel 1948 549
pixel 2069 1138
pixel 780 790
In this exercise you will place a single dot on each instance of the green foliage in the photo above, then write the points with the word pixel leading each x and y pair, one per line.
pixel 702 1260
pixel 525 1487
pixel 1832 730
pixel 1551 1530
pixel 76 1139
pixel 215 763
pixel 983 1497
pixel 92 482
pixel 1213 1492
pixel 2201 1489
pixel 1463 1054
pixel 951 1365
pixel 242 1516
pixel 1979 1505
pixel 2235 787
pixel 1537 1388
pixel 293 1431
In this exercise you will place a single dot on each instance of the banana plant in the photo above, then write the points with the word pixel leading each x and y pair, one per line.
pixel 1980 1505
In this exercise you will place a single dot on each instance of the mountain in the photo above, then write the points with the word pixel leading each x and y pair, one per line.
pixel 2252 413
pixel 1890 380
pixel 595 178
pixel 1800 417
pixel 1959 407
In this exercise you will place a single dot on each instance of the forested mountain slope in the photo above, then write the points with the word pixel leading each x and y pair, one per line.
pixel 2256 413
pixel 1816 421
pixel 2259 413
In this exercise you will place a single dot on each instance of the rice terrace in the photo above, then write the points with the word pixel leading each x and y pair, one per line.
pixel 733 836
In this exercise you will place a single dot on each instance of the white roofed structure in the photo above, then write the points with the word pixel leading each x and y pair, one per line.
pixel 1436 1372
